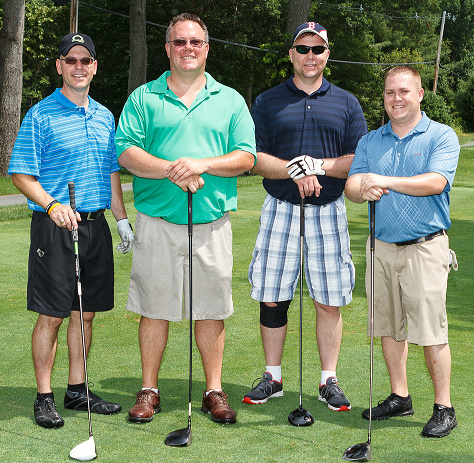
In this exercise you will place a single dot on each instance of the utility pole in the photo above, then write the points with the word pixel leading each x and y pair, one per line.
pixel 73 20
pixel 438 55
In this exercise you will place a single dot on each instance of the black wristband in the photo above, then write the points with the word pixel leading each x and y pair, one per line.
pixel 48 207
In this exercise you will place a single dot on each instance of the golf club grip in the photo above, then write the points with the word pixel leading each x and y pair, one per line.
pixel 72 195
pixel 372 224
pixel 301 216
pixel 190 213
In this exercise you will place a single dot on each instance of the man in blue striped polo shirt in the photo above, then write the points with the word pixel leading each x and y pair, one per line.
pixel 306 133
pixel 69 137
pixel 408 167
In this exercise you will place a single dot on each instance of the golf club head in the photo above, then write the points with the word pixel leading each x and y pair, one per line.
pixel 84 451
pixel 300 417
pixel 179 438
pixel 358 452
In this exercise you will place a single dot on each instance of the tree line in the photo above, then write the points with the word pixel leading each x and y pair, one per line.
pixel 249 48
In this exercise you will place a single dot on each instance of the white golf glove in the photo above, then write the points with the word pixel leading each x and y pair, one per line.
pixel 126 233
pixel 305 165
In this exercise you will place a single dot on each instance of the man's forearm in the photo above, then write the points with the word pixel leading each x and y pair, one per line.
pixel 32 189
pixel 117 206
pixel 142 164
pixel 338 167
pixel 270 167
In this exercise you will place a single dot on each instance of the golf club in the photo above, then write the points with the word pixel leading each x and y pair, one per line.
pixel 86 450
pixel 363 452
pixel 301 416
pixel 183 437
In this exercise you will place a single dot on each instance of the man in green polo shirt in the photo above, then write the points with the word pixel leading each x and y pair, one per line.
pixel 184 131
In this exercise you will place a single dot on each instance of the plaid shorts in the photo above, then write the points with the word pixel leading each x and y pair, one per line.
pixel 329 271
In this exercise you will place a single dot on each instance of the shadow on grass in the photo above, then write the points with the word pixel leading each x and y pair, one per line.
pixel 174 398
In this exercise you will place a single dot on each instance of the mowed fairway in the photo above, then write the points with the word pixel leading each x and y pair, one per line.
pixel 262 432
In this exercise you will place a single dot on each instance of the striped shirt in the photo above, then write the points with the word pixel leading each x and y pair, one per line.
pixel 60 142
pixel 289 123
pixel 428 147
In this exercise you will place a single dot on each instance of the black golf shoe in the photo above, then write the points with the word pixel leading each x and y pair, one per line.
pixel 46 414
pixel 333 395
pixel 393 405
pixel 78 401
pixel 266 389
pixel 441 422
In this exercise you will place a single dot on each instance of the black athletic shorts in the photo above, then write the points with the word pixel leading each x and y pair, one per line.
pixel 52 282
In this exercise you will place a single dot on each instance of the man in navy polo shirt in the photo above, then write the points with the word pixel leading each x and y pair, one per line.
pixel 306 131
pixel 69 137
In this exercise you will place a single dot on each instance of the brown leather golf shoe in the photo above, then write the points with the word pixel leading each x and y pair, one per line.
pixel 146 405
pixel 215 404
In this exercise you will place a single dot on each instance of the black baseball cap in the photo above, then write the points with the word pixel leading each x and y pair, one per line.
pixel 71 40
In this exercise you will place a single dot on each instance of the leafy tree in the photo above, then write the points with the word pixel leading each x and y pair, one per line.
pixel 436 108
pixel 385 32
pixel 465 104
pixel 45 25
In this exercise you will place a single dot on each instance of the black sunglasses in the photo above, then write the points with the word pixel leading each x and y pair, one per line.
pixel 304 49
pixel 72 61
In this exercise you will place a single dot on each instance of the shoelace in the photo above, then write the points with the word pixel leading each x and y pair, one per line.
pixel 386 401
pixel 263 384
pixel 220 397
pixel 143 395
pixel 440 416
pixel 336 388
pixel 49 405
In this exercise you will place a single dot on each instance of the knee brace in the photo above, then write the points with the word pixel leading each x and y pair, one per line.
pixel 274 317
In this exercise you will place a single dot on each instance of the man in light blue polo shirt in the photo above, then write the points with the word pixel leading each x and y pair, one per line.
pixel 184 131
pixel 408 167
pixel 69 137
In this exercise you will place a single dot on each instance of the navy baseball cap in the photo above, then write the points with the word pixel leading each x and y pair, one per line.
pixel 71 40
pixel 313 28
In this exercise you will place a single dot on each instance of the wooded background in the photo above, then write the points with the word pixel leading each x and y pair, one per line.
pixel 248 50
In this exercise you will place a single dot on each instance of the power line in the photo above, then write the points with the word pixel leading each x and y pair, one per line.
pixel 380 64
pixel 264 49
pixel 166 27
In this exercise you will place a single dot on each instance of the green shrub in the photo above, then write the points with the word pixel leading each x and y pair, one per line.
pixel 436 108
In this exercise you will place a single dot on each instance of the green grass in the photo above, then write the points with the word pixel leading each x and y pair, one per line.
pixel 262 433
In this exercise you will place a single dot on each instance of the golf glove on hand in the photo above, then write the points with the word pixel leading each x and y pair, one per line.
pixel 126 233
pixel 305 165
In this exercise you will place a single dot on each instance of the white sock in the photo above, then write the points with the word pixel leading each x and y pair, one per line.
pixel 325 374
pixel 210 390
pixel 275 371
pixel 152 388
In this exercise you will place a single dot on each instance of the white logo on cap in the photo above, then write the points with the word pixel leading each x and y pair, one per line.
pixel 77 38
pixel 311 25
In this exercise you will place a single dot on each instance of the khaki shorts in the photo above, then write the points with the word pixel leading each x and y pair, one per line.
pixel 410 291
pixel 160 274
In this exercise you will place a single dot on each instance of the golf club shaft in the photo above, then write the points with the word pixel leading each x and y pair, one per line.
pixel 190 236
pixel 75 238
pixel 372 289
pixel 301 295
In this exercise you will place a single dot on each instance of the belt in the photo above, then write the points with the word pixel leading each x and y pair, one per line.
pixel 422 239
pixel 91 215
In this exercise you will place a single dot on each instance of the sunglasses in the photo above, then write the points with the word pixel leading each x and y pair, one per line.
pixel 304 49
pixel 72 61
pixel 195 43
